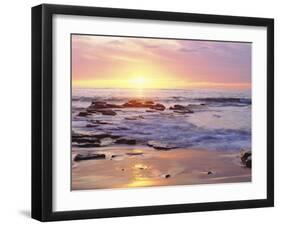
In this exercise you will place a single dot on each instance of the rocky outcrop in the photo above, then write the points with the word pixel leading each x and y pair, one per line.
pixel 103 108
pixel 96 105
pixel 129 141
pixel 80 157
pixel 107 112
pixel 160 145
pixel 158 107
pixel 177 107
pixel 83 114
pixel 181 109
pixel 144 104
pixel 90 140
pixel 134 153
pixel 246 158
pixel 138 104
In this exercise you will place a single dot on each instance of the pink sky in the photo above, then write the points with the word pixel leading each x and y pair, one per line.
pixel 109 62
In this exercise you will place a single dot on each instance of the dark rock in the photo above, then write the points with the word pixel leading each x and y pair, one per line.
pixel 99 122
pixel 158 107
pixel 181 109
pixel 87 145
pixel 134 117
pixel 83 114
pixel 107 112
pixel 131 118
pixel 80 157
pixel 249 162
pixel 134 153
pixel 143 104
pixel 177 107
pixel 91 111
pixel 159 145
pixel 92 135
pixel 85 140
pixel 91 125
pixel 244 155
pixel 114 156
pixel 246 158
pixel 186 111
pixel 167 176
pixel 149 102
pixel 98 105
pixel 122 128
pixel 135 104
pixel 100 135
pixel 209 172
pixel 115 136
pixel 79 135
pixel 126 141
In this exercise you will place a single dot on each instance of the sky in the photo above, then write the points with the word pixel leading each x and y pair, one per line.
pixel 123 62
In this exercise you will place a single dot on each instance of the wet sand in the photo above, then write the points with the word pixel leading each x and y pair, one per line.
pixel 141 166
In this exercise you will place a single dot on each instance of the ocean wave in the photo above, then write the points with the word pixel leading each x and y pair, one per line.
pixel 182 135
pixel 218 101
pixel 226 100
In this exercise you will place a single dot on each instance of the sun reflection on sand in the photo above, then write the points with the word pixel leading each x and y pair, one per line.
pixel 139 176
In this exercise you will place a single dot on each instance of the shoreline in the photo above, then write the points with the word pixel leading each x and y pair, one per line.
pixel 127 166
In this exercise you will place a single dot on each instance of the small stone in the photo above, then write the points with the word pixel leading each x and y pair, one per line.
pixel 209 172
pixel 131 118
pixel 134 153
pixel 114 156
pixel 167 176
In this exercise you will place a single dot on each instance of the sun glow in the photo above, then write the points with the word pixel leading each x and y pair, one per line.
pixel 139 82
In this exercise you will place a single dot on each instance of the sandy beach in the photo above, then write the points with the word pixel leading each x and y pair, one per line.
pixel 126 167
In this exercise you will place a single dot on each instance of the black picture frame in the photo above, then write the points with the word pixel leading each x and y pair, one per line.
pixel 42 107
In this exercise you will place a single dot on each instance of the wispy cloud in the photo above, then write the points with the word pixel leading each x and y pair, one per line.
pixel 106 57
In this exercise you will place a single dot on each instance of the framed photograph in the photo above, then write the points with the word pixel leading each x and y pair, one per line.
pixel 140 112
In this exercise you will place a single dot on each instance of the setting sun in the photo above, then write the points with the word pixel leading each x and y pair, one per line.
pixel 139 82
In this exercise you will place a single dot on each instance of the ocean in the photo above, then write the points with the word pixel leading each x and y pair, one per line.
pixel 221 123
